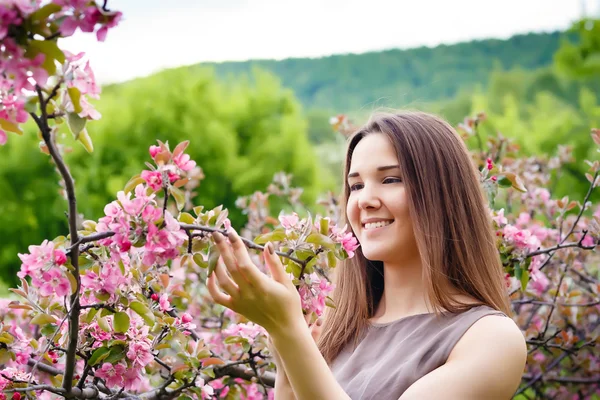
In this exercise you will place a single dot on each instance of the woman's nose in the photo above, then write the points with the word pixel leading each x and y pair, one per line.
pixel 368 199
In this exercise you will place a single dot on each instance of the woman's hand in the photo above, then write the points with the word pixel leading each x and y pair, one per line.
pixel 273 303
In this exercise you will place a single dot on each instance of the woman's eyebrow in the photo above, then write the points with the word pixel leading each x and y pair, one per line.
pixel 384 168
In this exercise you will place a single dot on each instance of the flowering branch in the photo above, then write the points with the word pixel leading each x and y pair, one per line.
pixel 74 311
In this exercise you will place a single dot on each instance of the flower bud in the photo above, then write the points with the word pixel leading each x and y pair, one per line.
pixel 154 297
pixel 154 150
pixel 60 257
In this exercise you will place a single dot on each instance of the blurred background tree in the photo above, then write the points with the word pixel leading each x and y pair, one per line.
pixel 248 120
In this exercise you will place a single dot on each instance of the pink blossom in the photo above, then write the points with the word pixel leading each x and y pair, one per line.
pixel 164 303
pixel 140 354
pixel 153 179
pixel 499 218
pixel 38 258
pixel 539 281
pixel 521 238
pixel 55 283
pixel 347 239
pixel 112 374
pixel 350 243
pixel 249 331
pixel 289 221
pixel 183 161
pixel 132 379
pixel 313 293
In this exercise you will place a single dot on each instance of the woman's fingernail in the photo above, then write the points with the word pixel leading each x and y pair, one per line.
pixel 319 322
pixel 232 234
pixel 218 237
pixel 270 248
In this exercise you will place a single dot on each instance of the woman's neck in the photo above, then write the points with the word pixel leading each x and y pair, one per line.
pixel 405 292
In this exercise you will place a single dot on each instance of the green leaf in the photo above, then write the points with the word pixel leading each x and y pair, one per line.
pixel 86 141
pixel 103 324
pixel 10 127
pixel 524 279
pixel 321 240
pixel 43 319
pixel 504 182
pixel 5 356
pixel 48 330
pixel 331 260
pixel 121 322
pixel 89 317
pixel 186 218
pixel 143 311
pixel 76 123
pixel 117 353
pixel 99 355
pixel 133 182
pixel 276 236
pixel 199 260
pixel 102 296
pixel 179 197
pixel 75 96
pixel 45 11
pixel 324 225
pixel 234 339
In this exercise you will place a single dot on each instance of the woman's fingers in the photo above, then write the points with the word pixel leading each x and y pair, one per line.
pixel 315 329
pixel 244 262
pixel 275 266
pixel 216 293
pixel 229 259
pixel 224 280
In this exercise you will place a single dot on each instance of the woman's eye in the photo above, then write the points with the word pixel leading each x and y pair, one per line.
pixel 392 180
pixel 356 186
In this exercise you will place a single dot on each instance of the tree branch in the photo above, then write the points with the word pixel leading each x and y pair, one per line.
pixel 74 254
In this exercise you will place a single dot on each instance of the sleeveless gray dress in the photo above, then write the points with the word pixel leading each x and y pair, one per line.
pixel 392 356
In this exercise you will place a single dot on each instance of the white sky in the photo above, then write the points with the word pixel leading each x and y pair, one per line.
pixel 157 34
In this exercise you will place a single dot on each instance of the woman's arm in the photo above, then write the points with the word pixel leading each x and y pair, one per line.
pixel 275 305
pixel 308 373
pixel 283 388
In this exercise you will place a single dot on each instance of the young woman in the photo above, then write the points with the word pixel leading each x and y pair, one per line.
pixel 422 308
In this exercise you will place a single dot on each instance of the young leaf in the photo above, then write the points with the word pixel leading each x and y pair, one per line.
pixel 143 311
pixel 121 322
pixel 99 355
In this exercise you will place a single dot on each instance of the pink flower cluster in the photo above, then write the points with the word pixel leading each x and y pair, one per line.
pixel 250 391
pixel 79 14
pixel 43 264
pixel 313 293
pixel 347 239
pixel 171 166
pixel 137 220
pixel 249 331
pixel 129 372
pixel 7 377
pixel 21 71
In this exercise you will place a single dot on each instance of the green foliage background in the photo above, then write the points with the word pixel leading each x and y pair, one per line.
pixel 247 121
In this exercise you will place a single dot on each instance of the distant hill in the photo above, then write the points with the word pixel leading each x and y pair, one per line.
pixel 400 78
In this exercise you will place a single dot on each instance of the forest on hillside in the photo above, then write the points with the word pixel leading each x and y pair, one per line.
pixel 397 78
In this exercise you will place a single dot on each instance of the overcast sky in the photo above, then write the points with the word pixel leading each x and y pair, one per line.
pixel 156 34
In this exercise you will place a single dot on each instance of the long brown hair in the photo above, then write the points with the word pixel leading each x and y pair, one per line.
pixel 451 222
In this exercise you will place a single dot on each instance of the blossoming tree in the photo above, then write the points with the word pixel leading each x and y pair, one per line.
pixel 118 308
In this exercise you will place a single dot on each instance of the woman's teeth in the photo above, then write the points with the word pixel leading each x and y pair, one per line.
pixel 380 224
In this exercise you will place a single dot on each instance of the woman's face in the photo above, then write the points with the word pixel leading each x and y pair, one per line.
pixel 377 208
